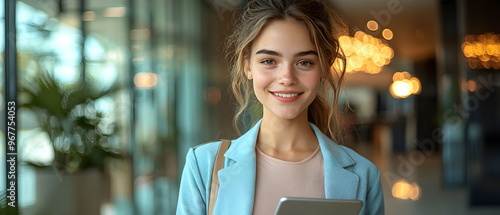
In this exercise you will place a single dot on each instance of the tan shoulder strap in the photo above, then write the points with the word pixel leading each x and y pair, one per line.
pixel 218 164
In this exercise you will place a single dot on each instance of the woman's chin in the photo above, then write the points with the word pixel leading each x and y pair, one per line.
pixel 288 115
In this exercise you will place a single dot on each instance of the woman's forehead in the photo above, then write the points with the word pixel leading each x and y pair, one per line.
pixel 284 36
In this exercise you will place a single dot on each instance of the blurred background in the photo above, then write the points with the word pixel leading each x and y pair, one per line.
pixel 111 95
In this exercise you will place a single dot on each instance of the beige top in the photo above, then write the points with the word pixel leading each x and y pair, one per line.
pixel 277 178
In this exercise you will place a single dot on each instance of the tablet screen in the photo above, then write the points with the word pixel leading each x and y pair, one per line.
pixel 312 206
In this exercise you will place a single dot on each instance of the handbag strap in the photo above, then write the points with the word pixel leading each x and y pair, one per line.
pixel 218 164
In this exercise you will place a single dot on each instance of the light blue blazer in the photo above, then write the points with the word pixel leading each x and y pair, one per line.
pixel 348 175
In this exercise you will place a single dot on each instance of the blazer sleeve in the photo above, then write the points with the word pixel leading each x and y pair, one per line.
pixel 192 195
pixel 375 197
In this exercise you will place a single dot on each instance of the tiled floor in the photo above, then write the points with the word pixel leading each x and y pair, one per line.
pixel 427 174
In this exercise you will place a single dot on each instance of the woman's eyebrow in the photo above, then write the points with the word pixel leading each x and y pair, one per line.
pixel 269 52
pixel 301 54
pixel 275 53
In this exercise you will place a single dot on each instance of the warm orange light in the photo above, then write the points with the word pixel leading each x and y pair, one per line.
pixel 479 49
pixel 356 62
pixel 387 34
pixel 370 50
pixel 468 50
pixel 372 68
pixel 485 58
pixel 387 52
pixel 482 51
pixel 404 85
pixel 145 80
pixel 401 89
pixel 398 76
pixel 471 85
pixel 372 25
pixel 359 35
pixel 357 46
pixel 345 42
pixel 406 75
pixel 416 86
pixel 404 190
pixel 364 53
pixel 401 189
pixel 415 192
pixel 492 49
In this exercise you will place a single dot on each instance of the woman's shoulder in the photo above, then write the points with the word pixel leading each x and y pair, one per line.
pixel 208 145
pixel 201 157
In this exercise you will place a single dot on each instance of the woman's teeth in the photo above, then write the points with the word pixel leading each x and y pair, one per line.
pixel 286 95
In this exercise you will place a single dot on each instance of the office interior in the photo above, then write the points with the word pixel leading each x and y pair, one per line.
pixel 112 94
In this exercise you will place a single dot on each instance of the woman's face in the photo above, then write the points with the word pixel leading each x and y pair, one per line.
pixel 285 69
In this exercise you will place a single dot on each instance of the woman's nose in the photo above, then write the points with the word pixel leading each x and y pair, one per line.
pixel 287 75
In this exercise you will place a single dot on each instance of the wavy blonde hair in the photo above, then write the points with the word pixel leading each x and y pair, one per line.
pixel 325 25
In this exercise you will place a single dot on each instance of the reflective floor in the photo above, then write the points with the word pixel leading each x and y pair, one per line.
pixel 426 172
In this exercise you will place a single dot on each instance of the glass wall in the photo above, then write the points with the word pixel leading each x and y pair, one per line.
pixel 112 94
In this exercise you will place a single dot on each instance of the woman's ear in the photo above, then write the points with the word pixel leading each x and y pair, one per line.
pixel 246 68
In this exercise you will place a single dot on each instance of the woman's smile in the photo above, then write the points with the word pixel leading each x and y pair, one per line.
pixel 286 96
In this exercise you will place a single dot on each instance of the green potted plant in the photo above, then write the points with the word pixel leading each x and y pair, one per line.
pixel 79 134
pixel 76 128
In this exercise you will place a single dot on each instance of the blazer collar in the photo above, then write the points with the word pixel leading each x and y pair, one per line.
pixel 340 183
pixel 243 148
pixel 237 178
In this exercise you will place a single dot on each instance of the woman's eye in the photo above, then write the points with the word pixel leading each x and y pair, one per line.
pixel 267 62
pixel 305 63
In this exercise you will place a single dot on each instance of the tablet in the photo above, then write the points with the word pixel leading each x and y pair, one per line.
pixel 312 206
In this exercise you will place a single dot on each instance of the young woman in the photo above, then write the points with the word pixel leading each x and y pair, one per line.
pixel 284 51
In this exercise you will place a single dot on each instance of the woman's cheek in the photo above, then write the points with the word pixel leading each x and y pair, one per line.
pixel 262 78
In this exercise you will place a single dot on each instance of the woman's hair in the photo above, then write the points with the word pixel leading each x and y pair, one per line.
pixel 325 26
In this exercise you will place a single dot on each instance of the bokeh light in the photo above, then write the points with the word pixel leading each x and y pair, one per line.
pixel 482 51
pixel 416 86
pixel 364 53
pixel 372 25
pixel 404 85
pixel 145 80
pixel 401 89
pixel 471 85
pixel 387 34
pixel 402 189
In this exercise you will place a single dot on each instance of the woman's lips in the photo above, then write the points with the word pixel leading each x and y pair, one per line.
pixel 286 96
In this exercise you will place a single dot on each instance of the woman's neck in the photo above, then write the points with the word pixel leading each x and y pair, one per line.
pixel 287 139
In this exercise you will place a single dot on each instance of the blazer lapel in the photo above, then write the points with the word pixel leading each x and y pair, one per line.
pixel 339 182
pixel 237 178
